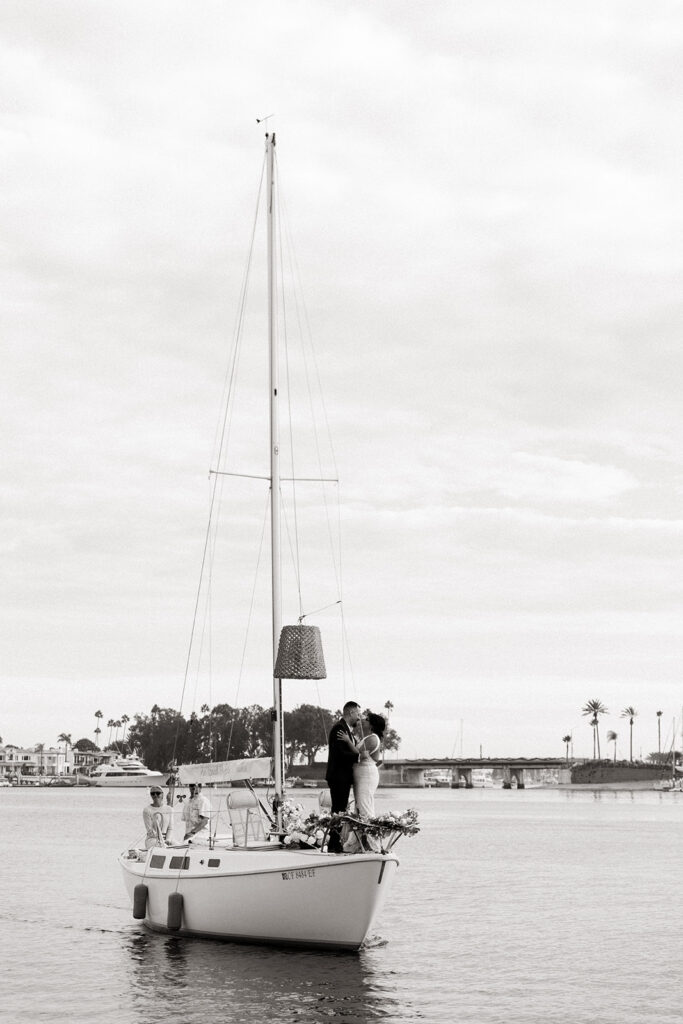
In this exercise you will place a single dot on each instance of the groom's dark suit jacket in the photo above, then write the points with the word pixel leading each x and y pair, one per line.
pixel 340 758
pixel 340 761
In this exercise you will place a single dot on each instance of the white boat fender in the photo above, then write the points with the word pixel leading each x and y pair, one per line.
pixel 175 911
pixel 140 893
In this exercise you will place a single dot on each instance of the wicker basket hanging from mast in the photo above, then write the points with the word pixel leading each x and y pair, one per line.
pixel 300 654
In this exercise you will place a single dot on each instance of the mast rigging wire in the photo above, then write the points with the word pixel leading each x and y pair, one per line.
pixel 222 444
pixel 306 335
pixel 229 385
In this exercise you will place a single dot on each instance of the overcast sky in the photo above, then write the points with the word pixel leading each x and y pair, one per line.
pixel 486 198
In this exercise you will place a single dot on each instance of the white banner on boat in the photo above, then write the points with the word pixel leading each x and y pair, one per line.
pixel 226 771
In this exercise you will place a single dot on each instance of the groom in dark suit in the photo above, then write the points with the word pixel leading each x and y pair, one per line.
pixel 340 761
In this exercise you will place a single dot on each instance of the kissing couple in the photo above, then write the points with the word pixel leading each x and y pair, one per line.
pixel 354 755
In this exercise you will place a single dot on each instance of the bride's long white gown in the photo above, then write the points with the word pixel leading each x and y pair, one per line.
pixel 365 782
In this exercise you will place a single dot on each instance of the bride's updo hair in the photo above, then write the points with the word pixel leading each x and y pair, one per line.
pixel 377 724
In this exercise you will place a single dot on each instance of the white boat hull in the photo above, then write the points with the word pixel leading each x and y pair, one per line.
pixel 668 785
pixel 135 781
pixel 124 771
pixel 281 897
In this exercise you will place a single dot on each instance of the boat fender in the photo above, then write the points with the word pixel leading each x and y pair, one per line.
pixel 175 911
pixel 140 902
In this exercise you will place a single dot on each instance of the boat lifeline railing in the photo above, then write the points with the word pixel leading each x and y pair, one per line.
pixel 377 834
pixel 375 837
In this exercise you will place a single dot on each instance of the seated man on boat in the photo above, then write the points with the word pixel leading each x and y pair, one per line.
pixel 157 819
pixel 196 812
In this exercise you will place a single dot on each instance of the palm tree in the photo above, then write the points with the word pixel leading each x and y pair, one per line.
pixel 97 737
pixel 117 725
pixel 388 707
pixel 65 738
pixel 110 726
pixel 612 738
pixel 594 708
pixel 567 740
pixel 98 715
pixel 124 720
pixel 659 731
pixel 630 713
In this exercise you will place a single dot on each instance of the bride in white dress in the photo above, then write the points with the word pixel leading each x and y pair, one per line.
pixel 366 775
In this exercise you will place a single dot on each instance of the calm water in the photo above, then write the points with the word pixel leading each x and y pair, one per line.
pixel 534 906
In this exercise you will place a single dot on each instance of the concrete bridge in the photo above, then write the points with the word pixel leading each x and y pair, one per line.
pixel 458 770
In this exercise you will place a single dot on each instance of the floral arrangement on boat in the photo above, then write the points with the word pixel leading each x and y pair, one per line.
pixel 300 829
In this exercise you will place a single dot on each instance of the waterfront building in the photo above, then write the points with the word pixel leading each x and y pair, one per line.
pixel 36 761
pixel 84 760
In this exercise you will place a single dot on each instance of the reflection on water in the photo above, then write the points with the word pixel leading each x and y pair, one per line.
pixel 256 983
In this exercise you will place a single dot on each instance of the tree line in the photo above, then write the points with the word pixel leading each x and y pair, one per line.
pixel 222 733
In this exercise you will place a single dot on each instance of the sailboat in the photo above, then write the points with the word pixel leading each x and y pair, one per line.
pixel 253 886
pixel 674 783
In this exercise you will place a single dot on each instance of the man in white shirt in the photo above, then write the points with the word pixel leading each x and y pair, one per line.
pixel 196 812
pixel 157 819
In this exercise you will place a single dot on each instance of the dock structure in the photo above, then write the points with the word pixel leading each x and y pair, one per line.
pixel 460 771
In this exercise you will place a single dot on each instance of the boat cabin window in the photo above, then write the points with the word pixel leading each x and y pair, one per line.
pixel 157 862
pixel 182 863
pixel 214 862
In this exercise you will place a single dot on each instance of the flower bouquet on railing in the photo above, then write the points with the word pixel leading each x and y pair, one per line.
pixel 301 830
pixel 381 833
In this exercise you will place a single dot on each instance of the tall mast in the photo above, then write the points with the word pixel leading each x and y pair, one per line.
pixel 278 737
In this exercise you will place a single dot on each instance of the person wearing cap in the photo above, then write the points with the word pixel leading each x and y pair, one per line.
pixel 157 819
pixel 196 812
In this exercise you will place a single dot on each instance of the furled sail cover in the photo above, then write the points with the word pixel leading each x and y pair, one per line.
pixel 226 771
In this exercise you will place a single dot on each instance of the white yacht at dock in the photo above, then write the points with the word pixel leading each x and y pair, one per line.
pixel 123 771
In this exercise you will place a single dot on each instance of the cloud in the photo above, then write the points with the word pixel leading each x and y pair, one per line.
pixel 542 478
pixel 485 205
